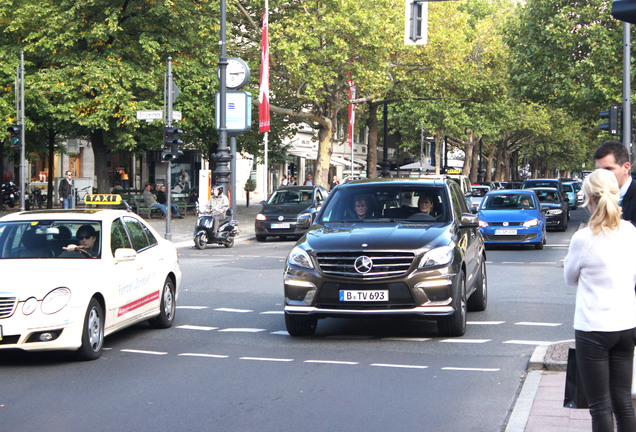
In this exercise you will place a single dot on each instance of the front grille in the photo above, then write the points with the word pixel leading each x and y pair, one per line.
pixel 7 306
pixel 502 224
pixel 509 238
pixel 399 296
pixel 385 264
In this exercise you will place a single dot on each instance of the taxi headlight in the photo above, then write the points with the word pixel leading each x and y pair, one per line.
pixel 29 306
pixel 298 257
pixel 438 256
pixel 56 300
pixel 531 223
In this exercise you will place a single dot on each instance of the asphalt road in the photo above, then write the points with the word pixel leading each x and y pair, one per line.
pixel 229 365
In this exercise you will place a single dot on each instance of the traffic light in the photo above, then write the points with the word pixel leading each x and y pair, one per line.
pixel 171 143
pixel 15 140
pixel 624 10
pixel 613 126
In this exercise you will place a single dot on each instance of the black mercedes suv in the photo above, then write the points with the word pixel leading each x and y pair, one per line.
pixel 388 247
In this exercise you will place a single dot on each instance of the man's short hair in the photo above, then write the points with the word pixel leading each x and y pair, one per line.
pixel 613 147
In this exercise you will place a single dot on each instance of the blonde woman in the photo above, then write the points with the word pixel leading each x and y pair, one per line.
pixel 601 263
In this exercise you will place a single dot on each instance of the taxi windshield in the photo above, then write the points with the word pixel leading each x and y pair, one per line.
pixel 50 239
pixel 404 203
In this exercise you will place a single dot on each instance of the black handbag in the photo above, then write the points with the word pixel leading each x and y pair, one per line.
pixel 574 394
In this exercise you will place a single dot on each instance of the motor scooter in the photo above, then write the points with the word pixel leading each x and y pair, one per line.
pixel 203 235
pixel 10 194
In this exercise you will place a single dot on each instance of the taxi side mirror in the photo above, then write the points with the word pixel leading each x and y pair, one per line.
pixel 125 254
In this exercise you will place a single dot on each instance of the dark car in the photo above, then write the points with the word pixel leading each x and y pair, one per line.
pixel 555 206
pixel 541 183
pixel 371 253
pixel 289 211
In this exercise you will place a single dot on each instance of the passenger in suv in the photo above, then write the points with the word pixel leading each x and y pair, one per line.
pixel 397 262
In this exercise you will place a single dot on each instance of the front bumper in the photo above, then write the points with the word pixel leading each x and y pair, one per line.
pixel 523 235
pixel 265 228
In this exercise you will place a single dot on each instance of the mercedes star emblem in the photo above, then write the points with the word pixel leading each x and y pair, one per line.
pixel 363 264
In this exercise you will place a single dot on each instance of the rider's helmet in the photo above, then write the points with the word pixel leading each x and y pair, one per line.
pixel 219 188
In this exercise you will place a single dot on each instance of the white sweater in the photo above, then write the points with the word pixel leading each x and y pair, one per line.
pixel 604 269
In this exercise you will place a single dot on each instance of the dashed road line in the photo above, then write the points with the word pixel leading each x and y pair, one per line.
pixel 243 330
pixel 528 342
pixel 281 333
pixel 203 355
pixel 484 322
pixel 193 327
pixel 334 362
pixel 144 352
pixel 402 366
pixel 272 313
pixel 267 359
pixel 466 341
pixel 193 307
pixel 406 339
pixel 540 324
pixel 233 310
pixel 470 369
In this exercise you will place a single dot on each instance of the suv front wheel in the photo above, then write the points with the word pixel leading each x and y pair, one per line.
pixel 298 325
pixel 455 324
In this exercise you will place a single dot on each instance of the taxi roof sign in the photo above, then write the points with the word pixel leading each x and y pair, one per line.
pixel 103 199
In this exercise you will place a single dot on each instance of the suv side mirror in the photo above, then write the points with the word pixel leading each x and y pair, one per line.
pixel 469 220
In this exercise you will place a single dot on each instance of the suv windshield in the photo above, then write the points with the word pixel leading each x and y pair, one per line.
pixel 386 203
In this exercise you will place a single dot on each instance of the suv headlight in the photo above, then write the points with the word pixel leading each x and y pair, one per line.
pixel 298 257
pixel 56 300
pixel 531 223
pixel 438 256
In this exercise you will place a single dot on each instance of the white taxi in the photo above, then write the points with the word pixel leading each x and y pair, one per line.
pixel 72 277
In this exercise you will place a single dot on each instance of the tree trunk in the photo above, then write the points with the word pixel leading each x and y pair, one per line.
pixel 438 152
pixel 321 176
pixel 469 148
pixel 372 150
pixel 474 168
pixel 101 157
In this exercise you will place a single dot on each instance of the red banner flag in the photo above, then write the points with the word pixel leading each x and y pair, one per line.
pixel 352 111
pixel 263 92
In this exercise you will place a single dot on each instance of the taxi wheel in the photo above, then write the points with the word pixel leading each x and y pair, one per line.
pixel 455 324
pixel 93 333
pixel 200 241
pixel 167 307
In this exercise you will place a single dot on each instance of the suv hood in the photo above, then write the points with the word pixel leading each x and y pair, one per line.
pixel 377 236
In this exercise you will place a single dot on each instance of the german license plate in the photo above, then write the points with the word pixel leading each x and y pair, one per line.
pixel 0 333
pixel 280 225
pixel 506 232
pixel 368 295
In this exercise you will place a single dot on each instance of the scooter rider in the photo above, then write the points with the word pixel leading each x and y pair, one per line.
pixel 217 206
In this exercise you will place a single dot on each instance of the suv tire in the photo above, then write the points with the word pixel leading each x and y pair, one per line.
pixel 479 299
pixel 455 324
pixel 298 325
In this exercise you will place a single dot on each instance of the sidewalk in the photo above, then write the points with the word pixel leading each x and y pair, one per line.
pixel 539 406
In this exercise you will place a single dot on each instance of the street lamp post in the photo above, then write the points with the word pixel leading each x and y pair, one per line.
pixel 222 157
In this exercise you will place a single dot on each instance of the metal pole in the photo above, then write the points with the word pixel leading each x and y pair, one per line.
pixel 22 153
pixel 627 107
pixel 421 150
pixel 168 235
pixel 233 176
pixel 222 157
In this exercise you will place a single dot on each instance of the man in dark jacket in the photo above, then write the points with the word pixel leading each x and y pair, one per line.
pixel 64 189
pixel 613 156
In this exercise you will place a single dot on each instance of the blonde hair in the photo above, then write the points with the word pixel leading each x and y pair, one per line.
pixel 601 188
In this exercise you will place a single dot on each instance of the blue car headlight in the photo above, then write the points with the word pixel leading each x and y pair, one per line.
pixel 531 223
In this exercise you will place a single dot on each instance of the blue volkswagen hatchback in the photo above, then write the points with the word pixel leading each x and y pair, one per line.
pixel 512 217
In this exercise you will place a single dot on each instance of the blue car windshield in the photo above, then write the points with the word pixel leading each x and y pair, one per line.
pixel 509 202
pixel 386 203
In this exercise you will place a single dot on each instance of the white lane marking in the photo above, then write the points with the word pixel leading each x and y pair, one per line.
pixel 450 368
pixel 406 339
pixel 479 341
pixel 541 324
pixel 203 355
pixel 193 327
pixel 388 365
pixel 272 313
pixel 281 332
pixel 331 362
pixel 193 307
pixel 353 337
pixel 243 330
pixel 485 322
pixel 529 263
pixel 144 352
pixel 528 342
pixel 267 359
pixel 233 310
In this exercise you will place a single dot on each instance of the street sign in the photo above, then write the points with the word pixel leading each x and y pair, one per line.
pixel 149 115
pixel 156 115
